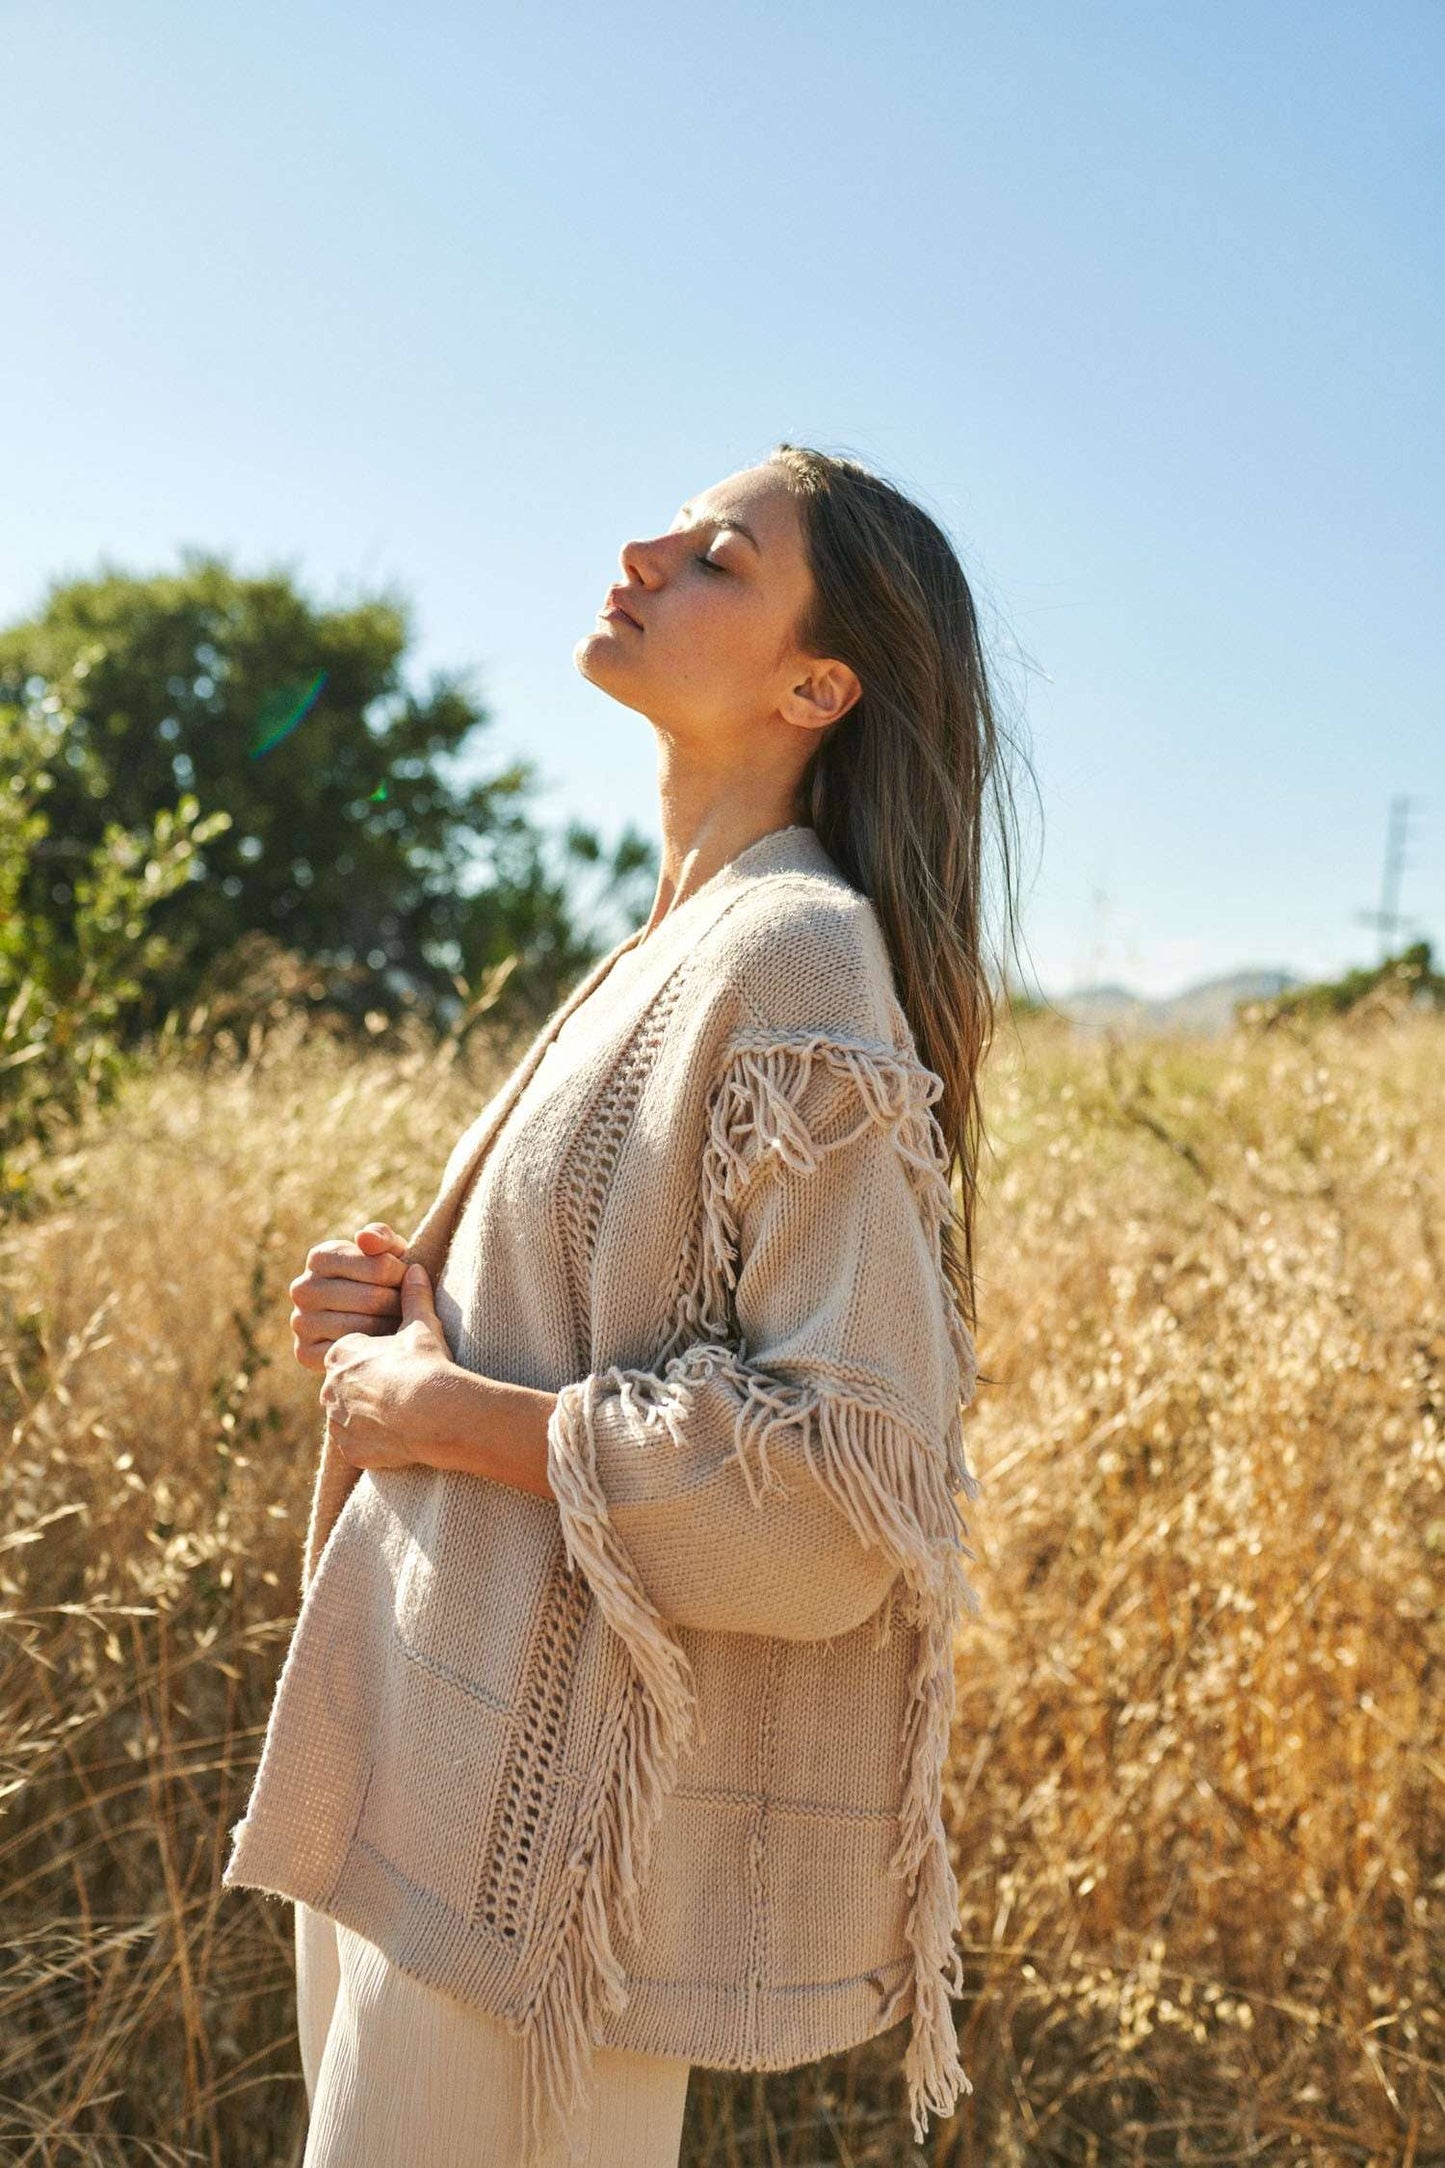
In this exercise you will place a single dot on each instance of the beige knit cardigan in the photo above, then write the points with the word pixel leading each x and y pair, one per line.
pixel 656 1763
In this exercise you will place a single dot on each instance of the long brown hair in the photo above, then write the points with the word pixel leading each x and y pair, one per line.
pixel 906 788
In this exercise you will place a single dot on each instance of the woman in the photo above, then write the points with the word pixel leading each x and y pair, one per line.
pixel 610 1736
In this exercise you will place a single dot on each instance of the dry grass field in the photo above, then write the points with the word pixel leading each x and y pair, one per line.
pixel 1196 1787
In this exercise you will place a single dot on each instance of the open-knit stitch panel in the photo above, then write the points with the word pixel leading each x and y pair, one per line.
pixel 511 1858
pixel 525 1795
pixel 596 1147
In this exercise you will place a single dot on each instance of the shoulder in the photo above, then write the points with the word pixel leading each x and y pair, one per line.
pixel 805 950
pixel 821 1053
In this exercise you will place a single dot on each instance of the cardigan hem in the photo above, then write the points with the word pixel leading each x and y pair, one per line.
pixel 698 2021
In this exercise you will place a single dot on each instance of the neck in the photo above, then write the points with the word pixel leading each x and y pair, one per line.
pixel 707 827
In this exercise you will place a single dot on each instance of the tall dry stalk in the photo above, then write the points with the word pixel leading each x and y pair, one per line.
pixel 1196 1787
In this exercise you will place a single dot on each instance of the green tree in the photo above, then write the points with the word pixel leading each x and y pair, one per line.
pixel 1404 981
pixel 67 994
pixel 355 839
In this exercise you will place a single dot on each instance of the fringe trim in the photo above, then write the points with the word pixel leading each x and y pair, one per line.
pixel 579 1973
pixel 896 1486
pixel 897 1494
pixel 756 1121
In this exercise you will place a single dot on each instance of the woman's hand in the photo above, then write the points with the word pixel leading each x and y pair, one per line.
pixel 347 1287
pixel 384 1396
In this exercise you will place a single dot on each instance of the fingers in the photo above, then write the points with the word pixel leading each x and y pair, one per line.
pixel 339 1276
pixel 341 1260
pixel 376 1239
pixel 313 1291
pixel 331 1324
pixel 325 1309
pixel 347 1287
pixel 313 1331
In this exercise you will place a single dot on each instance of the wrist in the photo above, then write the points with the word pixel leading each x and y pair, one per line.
pixel 449 1417
pixel 476 1425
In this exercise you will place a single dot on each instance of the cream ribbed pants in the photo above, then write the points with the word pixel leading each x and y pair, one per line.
pixel 400 2076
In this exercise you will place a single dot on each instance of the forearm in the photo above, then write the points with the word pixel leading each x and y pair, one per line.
pixel 482 1426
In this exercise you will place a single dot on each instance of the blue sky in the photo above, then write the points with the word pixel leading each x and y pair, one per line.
pixel 1143 302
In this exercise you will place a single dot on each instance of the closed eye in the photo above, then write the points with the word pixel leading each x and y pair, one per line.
pixel 711 564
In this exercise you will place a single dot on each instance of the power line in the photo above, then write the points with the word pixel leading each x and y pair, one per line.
pixel 1389 920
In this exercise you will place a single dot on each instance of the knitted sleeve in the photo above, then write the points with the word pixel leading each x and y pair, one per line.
pixel 792 1466
pixel 802 1451
pixel 796 1464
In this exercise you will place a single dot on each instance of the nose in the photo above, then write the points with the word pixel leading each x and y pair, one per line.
pixel 640 563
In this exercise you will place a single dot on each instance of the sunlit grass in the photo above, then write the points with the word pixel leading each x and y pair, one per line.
pixel 1196 1787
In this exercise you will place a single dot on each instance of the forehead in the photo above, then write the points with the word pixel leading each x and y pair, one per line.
pixel 759 495
pixel 750 485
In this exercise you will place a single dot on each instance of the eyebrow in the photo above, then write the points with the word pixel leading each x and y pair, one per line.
pixel 727 519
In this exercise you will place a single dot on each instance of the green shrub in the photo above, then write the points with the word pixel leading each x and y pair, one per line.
pixel 70 976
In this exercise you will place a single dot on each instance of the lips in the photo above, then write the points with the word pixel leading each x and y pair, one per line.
pixel 618 608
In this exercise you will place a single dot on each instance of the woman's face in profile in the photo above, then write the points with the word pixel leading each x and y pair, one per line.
pixel 708 646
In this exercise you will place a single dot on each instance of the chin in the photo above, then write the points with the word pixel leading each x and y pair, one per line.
pixel 596 654
pixel 599 670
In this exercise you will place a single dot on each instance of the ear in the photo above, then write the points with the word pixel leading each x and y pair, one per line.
pixel 822 696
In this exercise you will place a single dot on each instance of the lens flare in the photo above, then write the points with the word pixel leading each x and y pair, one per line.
pixel 282 710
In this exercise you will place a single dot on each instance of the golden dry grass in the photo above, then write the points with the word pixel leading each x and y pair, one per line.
pixel 1197 1778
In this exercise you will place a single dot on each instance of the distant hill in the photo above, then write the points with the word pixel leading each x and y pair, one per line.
pixel 1207 1007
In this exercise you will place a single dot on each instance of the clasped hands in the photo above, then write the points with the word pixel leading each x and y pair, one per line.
pixel 364 1315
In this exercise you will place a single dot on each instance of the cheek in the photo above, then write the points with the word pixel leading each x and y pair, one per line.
pixel 713 639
